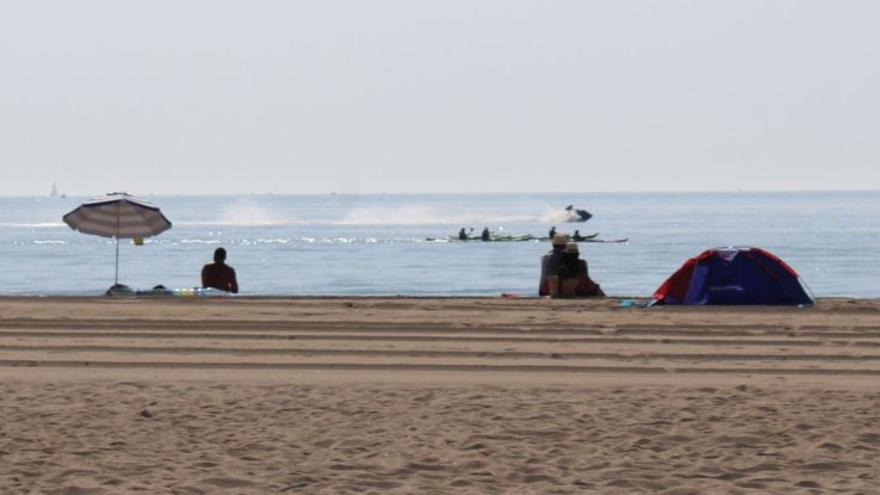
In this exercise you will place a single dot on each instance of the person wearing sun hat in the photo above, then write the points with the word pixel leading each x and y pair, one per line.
pixel 567 271
pixel 549 284
pixel 574 278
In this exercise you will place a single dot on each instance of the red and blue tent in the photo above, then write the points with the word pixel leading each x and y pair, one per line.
pixel 734 275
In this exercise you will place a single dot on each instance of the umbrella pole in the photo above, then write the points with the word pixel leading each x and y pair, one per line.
pixel 116 277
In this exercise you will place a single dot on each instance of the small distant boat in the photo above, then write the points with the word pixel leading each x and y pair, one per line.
pixel 54 193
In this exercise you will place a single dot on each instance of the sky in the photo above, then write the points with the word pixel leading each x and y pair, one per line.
pixel 353 96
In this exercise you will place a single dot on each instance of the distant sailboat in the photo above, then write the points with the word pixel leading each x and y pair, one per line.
pixel 54 193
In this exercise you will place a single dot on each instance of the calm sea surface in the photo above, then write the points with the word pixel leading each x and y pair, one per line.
pixel 375 244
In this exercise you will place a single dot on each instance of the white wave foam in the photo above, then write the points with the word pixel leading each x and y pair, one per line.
pixel 559 216
pixel 422 215
pixel 554 217
pixel 234 223
pixel 245 212
pixel 200 241
pixel 37 225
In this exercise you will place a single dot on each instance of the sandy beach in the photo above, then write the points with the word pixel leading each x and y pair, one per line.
pixel 397 395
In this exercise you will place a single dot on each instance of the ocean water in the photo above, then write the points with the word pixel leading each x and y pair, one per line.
pixel 376 244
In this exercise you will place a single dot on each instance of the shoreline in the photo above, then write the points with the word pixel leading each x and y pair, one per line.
pixel 820 301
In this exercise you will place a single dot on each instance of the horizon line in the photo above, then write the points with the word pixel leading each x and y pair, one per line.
pixel 468 193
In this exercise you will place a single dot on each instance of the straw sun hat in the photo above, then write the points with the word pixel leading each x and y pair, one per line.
pixel 560 240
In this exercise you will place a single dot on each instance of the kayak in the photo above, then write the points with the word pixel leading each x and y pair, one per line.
pixel 583 238
pixel 493 238
pixel 506 238
pixel 608 241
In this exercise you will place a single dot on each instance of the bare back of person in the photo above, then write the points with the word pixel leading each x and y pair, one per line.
pixel 219 275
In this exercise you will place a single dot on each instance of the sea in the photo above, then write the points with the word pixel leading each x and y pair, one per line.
pixel 378 244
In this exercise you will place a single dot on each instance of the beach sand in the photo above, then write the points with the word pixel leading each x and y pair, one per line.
pixel 398 395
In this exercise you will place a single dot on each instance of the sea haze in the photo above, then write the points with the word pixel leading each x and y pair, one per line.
pixel 376 244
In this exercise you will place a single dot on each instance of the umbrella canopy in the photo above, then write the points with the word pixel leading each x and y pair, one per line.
pixel 118 216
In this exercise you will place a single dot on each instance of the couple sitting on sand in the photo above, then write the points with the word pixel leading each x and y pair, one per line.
pixel 564 274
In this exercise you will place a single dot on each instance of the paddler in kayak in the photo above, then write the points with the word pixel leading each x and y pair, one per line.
pixel 551 233
pixel 577 237
pixel 486 235
pixel 462 235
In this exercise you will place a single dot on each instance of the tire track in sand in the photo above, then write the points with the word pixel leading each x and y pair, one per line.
pixel 350 345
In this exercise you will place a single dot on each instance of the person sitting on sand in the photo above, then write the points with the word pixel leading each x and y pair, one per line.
pixel 574 278
pixel 549 284
pixel 566 271
pixel 219 275
pixel 486 235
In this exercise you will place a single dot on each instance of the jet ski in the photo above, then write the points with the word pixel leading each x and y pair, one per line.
pixel 574 215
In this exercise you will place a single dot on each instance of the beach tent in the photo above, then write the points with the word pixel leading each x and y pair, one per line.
pixel 734 275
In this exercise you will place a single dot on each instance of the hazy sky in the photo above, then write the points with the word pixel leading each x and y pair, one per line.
pixel 433 96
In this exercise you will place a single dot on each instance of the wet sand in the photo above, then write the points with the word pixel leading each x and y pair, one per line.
pixel 404 395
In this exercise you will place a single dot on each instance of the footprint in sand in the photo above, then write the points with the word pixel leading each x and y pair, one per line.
pixel 227 482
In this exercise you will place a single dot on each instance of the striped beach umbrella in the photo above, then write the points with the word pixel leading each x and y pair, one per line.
pixel 118 216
